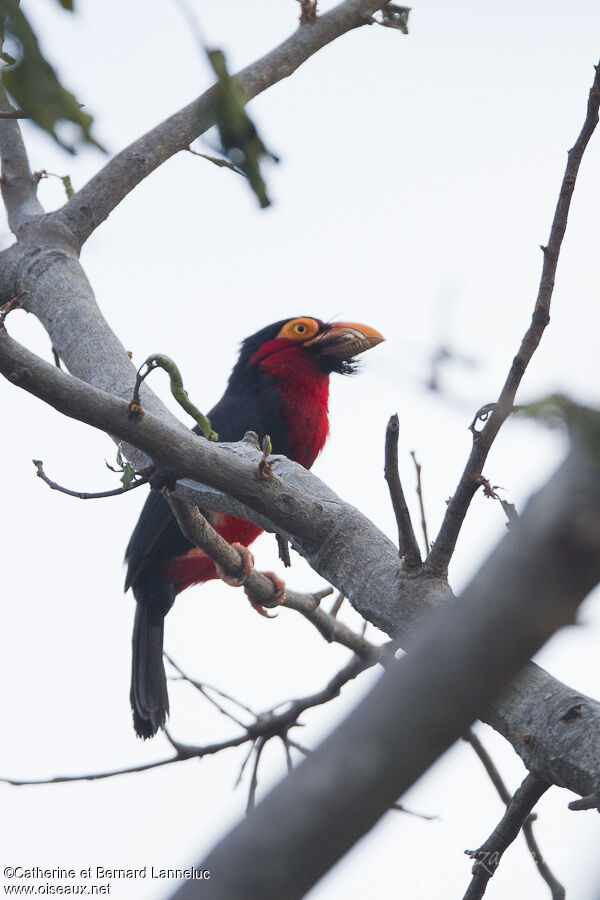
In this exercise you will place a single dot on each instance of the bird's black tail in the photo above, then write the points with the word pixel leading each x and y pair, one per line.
pixel 149 697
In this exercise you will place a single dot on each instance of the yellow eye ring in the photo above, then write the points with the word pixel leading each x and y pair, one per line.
pixel 300 329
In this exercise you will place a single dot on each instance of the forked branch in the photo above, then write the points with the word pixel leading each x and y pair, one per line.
pixel 407 542
pixel 487 857
pixel 444 545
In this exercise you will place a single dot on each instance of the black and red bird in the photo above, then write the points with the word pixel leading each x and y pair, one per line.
pixel 280 387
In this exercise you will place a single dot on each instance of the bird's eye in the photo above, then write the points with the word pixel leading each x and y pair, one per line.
pixel 299 329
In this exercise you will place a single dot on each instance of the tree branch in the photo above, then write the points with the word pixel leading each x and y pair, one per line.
pixel 83 495
pixel 346 549
pixel 95 201
pixel 407 542
pixel 488 856
pixel 196 528
pixel 444 545
pixel 556 889
pixel 417 709
pixel 19 187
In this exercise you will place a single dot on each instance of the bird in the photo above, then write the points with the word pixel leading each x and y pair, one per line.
pixel 279 387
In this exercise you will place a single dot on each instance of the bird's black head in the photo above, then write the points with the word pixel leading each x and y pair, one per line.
pixel 331 345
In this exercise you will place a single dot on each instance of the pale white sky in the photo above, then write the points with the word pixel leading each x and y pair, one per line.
pixel 418 177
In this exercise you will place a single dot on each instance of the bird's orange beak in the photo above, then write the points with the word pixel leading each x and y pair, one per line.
pixel 344 340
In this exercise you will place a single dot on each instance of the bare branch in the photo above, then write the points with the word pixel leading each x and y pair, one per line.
pixel 96 200
pixel 258 749
pixel 95 776
pixel 478 646
pixel 205 691
pixel 488 856
pixel 556 889
pixel 337 604
pixel 418 468
pixel 330 627
pixel 82 495
pixel 471 738
pixel 407 542
pixel 444 545
pixel 19 186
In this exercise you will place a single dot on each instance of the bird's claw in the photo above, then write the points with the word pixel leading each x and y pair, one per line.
pixel 278 596
pixel 247 567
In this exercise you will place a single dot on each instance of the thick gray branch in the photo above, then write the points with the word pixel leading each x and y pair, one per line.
pixel 554 729
pixel 18 184
pixel 96 200
pixel 462 658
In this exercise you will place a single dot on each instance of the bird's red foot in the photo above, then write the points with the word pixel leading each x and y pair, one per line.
pixel 278 596
pixel 247 567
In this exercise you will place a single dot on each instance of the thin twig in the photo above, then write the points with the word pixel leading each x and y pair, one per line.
pixel 245 762
pixel 488 856
pixel 331 628
pixel 288 756
pixel 336 605
pixel 202 689
pixel 258 749
pixel 556 888
pixel 83 495
pixel 411 812
pixel 266 726
pixel 471 738
pixel 407 542
pixel 444 545
pixel 418 468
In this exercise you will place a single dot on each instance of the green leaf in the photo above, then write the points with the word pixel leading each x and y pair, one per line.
pixel 34 84
pixel 67 4
pixel 128 475
pixel 66 180
pixel 239 138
